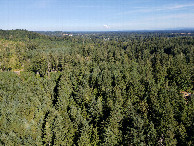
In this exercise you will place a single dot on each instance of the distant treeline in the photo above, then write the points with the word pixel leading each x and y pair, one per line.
pixel 108 88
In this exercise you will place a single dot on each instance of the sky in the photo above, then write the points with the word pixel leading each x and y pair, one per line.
pixel 96 15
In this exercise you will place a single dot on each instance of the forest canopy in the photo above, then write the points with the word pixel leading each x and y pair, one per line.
pixel 96 88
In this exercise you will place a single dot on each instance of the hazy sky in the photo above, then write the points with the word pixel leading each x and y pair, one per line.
pixel 68 15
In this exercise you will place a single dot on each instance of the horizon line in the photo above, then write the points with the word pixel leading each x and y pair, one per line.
pixel 164 29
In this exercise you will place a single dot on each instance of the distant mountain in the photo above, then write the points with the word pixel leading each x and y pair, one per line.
pixel 182 28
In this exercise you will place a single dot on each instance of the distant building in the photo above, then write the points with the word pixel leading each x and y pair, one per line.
pixel 65 34
pixel 186 95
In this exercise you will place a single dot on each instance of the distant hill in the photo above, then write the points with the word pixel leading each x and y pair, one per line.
pixel 19 34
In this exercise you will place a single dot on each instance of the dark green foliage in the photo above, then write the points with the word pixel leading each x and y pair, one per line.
pixel 116 88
